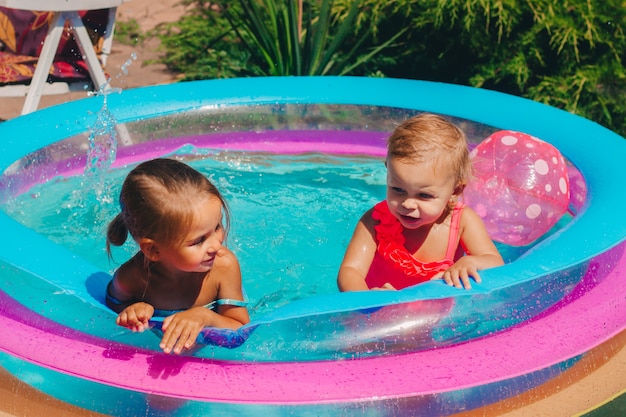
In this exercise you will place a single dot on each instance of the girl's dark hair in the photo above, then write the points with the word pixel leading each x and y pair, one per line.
pixel 156 202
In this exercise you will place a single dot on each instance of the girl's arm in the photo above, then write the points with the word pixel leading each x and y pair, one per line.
pixel 120 298
pixel 358 257
pixel 481 252
pixel 181 330
pixel 230 287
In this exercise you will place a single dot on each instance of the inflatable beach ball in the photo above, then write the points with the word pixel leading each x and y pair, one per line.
pixel 520 186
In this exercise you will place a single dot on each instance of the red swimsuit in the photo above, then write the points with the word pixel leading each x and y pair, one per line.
pixel 394 264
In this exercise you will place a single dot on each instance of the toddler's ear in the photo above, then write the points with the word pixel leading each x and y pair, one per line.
pixel 149 249
pixel 459 189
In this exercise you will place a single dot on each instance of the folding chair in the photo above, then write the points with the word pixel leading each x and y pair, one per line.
pixel 47 47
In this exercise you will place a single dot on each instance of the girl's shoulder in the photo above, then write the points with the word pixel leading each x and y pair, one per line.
pixel 226 270
pixel 131 276
pixel 226 259
pixel 132 266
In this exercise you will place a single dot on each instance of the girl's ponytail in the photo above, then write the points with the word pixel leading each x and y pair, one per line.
pixel 117 233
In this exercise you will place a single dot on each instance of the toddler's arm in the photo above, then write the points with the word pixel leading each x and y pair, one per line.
pixel 358 257
pixel 481 253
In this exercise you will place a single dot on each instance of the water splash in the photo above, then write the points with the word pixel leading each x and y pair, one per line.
pixel 102 149
pixel 128 63
pixel 105 134
pixel 101 154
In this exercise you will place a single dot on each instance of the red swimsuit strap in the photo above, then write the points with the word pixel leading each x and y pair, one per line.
pixel 455 227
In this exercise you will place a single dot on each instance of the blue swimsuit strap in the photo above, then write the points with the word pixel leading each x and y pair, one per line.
pixel 159 315
pixel 164 313
pixel 110 298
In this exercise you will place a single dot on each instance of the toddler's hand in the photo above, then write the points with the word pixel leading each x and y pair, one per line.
pixel 458 275
pixel 136 316
pixel 386 286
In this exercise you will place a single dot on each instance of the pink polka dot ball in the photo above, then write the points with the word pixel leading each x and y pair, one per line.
pixel 520 186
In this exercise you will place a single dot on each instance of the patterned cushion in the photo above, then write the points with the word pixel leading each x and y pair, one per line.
pixel 22 34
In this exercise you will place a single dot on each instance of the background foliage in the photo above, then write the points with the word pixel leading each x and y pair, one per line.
pixel 566 53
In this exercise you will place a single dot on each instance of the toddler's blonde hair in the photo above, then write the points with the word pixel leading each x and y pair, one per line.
pixel 431 138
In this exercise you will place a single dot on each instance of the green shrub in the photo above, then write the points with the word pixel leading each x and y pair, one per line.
pixel 202 45
pixel 566 53
pixel 128 32
pixel 302 38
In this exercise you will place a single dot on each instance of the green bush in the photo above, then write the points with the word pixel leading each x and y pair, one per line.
pixel 301 38
pixel 128 33
pixel 202 45
pixel 565 53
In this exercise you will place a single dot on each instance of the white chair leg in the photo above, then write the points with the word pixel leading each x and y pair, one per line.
pixel 107 45
pixel 44 63
pixel 93 63
pixel 89 54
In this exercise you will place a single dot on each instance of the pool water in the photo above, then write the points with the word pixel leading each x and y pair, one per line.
pixel 291 216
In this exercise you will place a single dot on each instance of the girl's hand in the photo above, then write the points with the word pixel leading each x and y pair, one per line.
pixel 180 330
pixel 136 316
pixel 458 275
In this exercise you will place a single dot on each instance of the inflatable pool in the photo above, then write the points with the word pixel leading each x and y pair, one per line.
pixel 426 350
